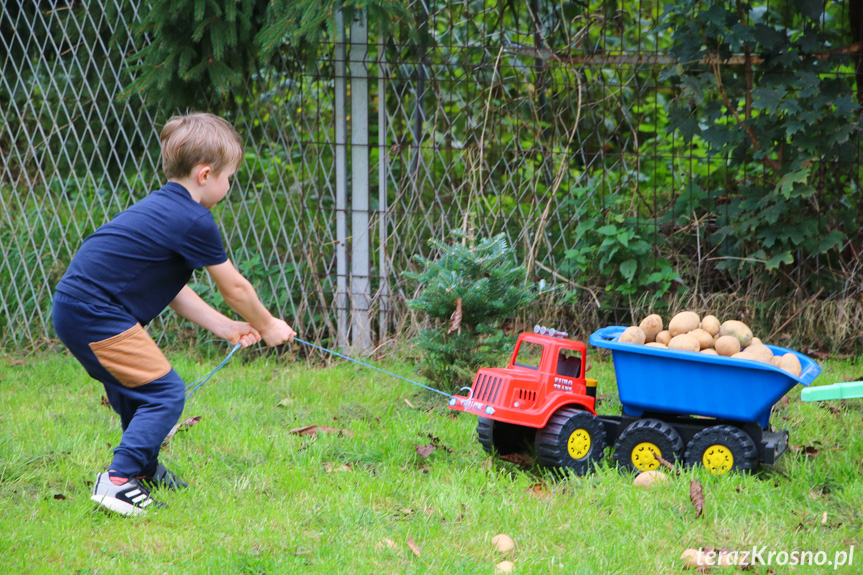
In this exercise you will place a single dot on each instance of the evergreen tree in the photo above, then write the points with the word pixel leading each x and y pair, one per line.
pixel 200 50
pixel 466 293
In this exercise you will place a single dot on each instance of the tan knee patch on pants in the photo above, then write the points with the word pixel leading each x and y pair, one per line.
pixel 132 357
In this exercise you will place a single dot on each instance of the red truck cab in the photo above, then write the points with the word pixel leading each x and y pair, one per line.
pixel 544 374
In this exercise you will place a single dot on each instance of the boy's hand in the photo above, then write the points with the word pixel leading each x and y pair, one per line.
pixel 242 333
pixel 278 332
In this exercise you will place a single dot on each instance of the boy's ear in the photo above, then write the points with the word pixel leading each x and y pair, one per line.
pixel 201 173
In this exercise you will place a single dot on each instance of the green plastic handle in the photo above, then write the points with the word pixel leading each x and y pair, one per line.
pixel 846 390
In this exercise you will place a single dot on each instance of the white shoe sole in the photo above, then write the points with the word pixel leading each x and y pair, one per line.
pixel 117 506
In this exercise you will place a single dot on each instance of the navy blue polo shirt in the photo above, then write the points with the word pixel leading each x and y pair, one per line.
pixel 142 258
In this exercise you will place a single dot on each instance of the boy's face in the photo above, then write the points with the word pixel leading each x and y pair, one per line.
pixel 216 187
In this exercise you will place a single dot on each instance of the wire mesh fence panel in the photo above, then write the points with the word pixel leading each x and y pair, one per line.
pixel 569 127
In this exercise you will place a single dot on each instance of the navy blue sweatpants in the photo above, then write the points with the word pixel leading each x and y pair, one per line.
pixel 147 411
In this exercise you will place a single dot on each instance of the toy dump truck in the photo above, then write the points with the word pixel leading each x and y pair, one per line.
pixel 677 405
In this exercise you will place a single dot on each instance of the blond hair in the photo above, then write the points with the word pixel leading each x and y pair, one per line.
pixel 194 139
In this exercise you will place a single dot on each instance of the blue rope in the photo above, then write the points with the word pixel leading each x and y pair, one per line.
pixel 202 380
pixel 371 366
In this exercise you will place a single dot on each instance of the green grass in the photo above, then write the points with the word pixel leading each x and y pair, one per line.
pixel 262 499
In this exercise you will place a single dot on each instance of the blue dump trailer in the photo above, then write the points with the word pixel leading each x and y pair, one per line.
pixel 703 409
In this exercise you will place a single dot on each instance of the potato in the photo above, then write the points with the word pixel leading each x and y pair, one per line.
pixel 727 345
pixel 651 325
pixel 760 351
pixel 693 558
pixel 684 342
pixel 647 479
pixel 710 324
pixel 502 542
pixel 632 334
pixel 504 567
pixel 705 340
pixel 739 330
pixel 663 337
pixel 684 322
pixel 776 360
pixel 745 355
pixel 709 351
pixel 656 344
pixel 756 340
pixel 790 363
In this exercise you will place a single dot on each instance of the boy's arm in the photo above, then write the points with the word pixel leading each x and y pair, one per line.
pixel 243 299
pixel 189 305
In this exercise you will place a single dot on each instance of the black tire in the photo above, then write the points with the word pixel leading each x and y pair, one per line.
pixel 722 448
pixel 573 441
pixel 503 438
pixel 632 449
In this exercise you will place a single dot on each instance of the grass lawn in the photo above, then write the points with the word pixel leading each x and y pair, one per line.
pixel 365 500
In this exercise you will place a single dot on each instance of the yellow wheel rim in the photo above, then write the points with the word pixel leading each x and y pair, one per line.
pixel 718 459
pixel 642 456
pixel 578 445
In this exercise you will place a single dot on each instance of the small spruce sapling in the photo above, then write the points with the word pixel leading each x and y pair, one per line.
pixel 482 280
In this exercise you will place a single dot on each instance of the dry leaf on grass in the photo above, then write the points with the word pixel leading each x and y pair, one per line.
pixel 425 450
pixel 696 496
pixel 539 490
pixel 455 318
pixel 17 362
pixel 185 424
pixel 518 458
pixel 104 401
pixel 664 463
pixel 335 467
pixel 318 429
pixel 414 547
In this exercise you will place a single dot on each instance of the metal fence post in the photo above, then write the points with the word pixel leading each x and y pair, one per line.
pixel 361 336
pixel 383 209
pixel 341 129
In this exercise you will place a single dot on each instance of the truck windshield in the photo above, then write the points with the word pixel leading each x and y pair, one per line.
pixel 529 355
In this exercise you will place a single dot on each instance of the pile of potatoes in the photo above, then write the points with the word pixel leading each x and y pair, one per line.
pixel 687 331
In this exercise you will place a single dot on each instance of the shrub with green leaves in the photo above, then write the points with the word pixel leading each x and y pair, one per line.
pixel 486 278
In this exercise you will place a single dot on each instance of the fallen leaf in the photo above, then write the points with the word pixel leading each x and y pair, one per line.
pixel 59 496
pixel 518 458
pixel 105 402
pixel 318 429
pixel 539 490
pixel 15 362
pixel 183 425
pixel 696 496
pixel 661 461
pixel 285 402
pixel 388 543
pixel 455 318
pixel 823 518
pixel 425 450
pixel 414 547
pixel 334 467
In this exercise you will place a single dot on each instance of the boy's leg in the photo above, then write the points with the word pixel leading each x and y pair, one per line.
pixel 148 408
pixel 150 411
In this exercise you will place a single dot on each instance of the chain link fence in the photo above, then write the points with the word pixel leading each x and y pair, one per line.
pixel 480 125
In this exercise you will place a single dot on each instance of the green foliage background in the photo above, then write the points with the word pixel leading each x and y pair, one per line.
pixel 666 176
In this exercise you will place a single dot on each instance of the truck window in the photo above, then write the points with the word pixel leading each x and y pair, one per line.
pixel 569 363
pixel 529 355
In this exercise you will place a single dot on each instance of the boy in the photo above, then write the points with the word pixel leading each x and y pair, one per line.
pixel 127 272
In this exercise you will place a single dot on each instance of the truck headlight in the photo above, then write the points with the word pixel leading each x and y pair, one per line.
pixel 489 410
pixel 452 402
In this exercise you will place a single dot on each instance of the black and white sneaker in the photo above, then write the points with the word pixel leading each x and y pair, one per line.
pixel 131 498
pixel 164 478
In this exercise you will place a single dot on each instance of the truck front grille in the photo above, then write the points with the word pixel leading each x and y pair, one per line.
pixel 486 388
